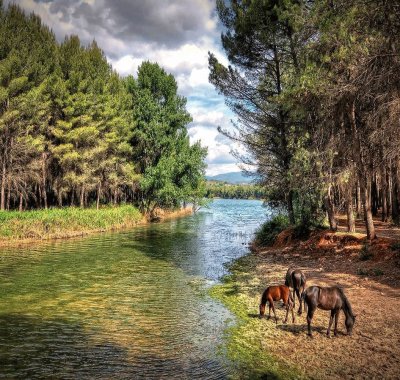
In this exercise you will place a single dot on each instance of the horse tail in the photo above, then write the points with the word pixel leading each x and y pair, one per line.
pixel 303 299
pixel 303 281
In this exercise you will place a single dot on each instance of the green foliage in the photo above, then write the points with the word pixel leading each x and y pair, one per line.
pixel 362 272
pixel 172 170
pixel 315 92
pixel 72 131
pixel 268 232
pixel 216 189
pixel 378 272
pixel 395 246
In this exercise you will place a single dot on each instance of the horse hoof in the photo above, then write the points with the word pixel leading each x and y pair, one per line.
pixel 328 336
pixel 310 336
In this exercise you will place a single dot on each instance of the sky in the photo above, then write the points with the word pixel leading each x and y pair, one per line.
pixel 177 34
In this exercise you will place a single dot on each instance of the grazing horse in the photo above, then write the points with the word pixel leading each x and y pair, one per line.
pixel 332 299
pixel 296 279
pixel 276 293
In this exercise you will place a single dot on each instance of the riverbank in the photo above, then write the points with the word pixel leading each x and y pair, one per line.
pixel 370 276
pixel 60 223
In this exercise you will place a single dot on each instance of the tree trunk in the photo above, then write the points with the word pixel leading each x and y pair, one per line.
pixel 3 186
pixel 290 208
pixel 98 196
pixel 73 198
pixel 374 197
pixel 351 227
pixel 44 156
pixel 115 196
pixel 8 194
pixel 389 191
pixel 82 198
pixel 358 206
pixel 395 193
pixel 366 200
pixel 20 201
pixel 384 194
pixel 330 210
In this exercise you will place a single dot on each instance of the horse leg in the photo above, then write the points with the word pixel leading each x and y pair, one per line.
pixel 294 296
pixel 310 314
pixel 336 322
pixel 293 318
pixel 273 309
pixel 269 309
pixel 333 313
pixel 300 311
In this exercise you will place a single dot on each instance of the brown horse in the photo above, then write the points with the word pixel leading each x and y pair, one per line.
pixel 296 279
pixel 332 299
pixel 276 293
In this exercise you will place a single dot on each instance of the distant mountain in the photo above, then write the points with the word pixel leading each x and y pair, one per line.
pixel 231 177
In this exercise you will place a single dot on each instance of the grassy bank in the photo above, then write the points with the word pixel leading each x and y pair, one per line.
pixel 65 222
pixel 245 341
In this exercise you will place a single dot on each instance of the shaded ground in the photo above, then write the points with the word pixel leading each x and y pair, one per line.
pixel 372 286
pixel 383 229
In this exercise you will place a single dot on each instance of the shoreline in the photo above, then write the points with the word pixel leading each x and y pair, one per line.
pixel 134 221
pixel 326 259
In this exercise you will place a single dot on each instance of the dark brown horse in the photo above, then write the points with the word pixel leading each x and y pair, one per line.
pixel 276 293
pixel 332 299
pixel 296 279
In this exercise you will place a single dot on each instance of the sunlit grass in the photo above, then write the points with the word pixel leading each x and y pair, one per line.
pixel 63 222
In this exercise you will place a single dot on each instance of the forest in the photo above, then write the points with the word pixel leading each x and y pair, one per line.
pixel 217 189
pixel 73 132
pixel 315 87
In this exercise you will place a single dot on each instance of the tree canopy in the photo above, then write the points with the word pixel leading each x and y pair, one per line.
pixel 73 132
pixel 315 87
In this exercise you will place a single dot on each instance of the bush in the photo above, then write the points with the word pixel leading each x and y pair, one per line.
pixel 365 254
pixel 395 246
pixel 268 232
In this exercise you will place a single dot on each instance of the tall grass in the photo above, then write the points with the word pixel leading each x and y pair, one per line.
pixel 64 222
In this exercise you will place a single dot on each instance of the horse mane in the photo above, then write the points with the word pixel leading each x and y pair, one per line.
pixel 346 304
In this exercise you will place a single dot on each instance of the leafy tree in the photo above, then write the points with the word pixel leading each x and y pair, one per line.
pixel 171 169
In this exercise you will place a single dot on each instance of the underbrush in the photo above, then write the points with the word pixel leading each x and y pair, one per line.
pixel 63 222
pixel 268 232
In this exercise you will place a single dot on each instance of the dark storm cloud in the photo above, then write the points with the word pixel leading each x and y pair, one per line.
pixel 168 23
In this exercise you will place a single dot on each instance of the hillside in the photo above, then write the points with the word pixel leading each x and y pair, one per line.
pixel 231 177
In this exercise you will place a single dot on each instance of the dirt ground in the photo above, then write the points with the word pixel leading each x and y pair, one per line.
pixel 370 277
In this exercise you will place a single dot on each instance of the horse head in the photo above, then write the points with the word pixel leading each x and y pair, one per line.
pixel 262 310
pixel 350 320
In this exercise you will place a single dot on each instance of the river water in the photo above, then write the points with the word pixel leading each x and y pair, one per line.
pixel 124 305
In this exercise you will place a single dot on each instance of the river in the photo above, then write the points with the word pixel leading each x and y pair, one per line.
pixel 131 304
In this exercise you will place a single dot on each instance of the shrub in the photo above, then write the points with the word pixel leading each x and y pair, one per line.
pixel 268 232
pixel 362 272
pixel 395 246
pixel 365 254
